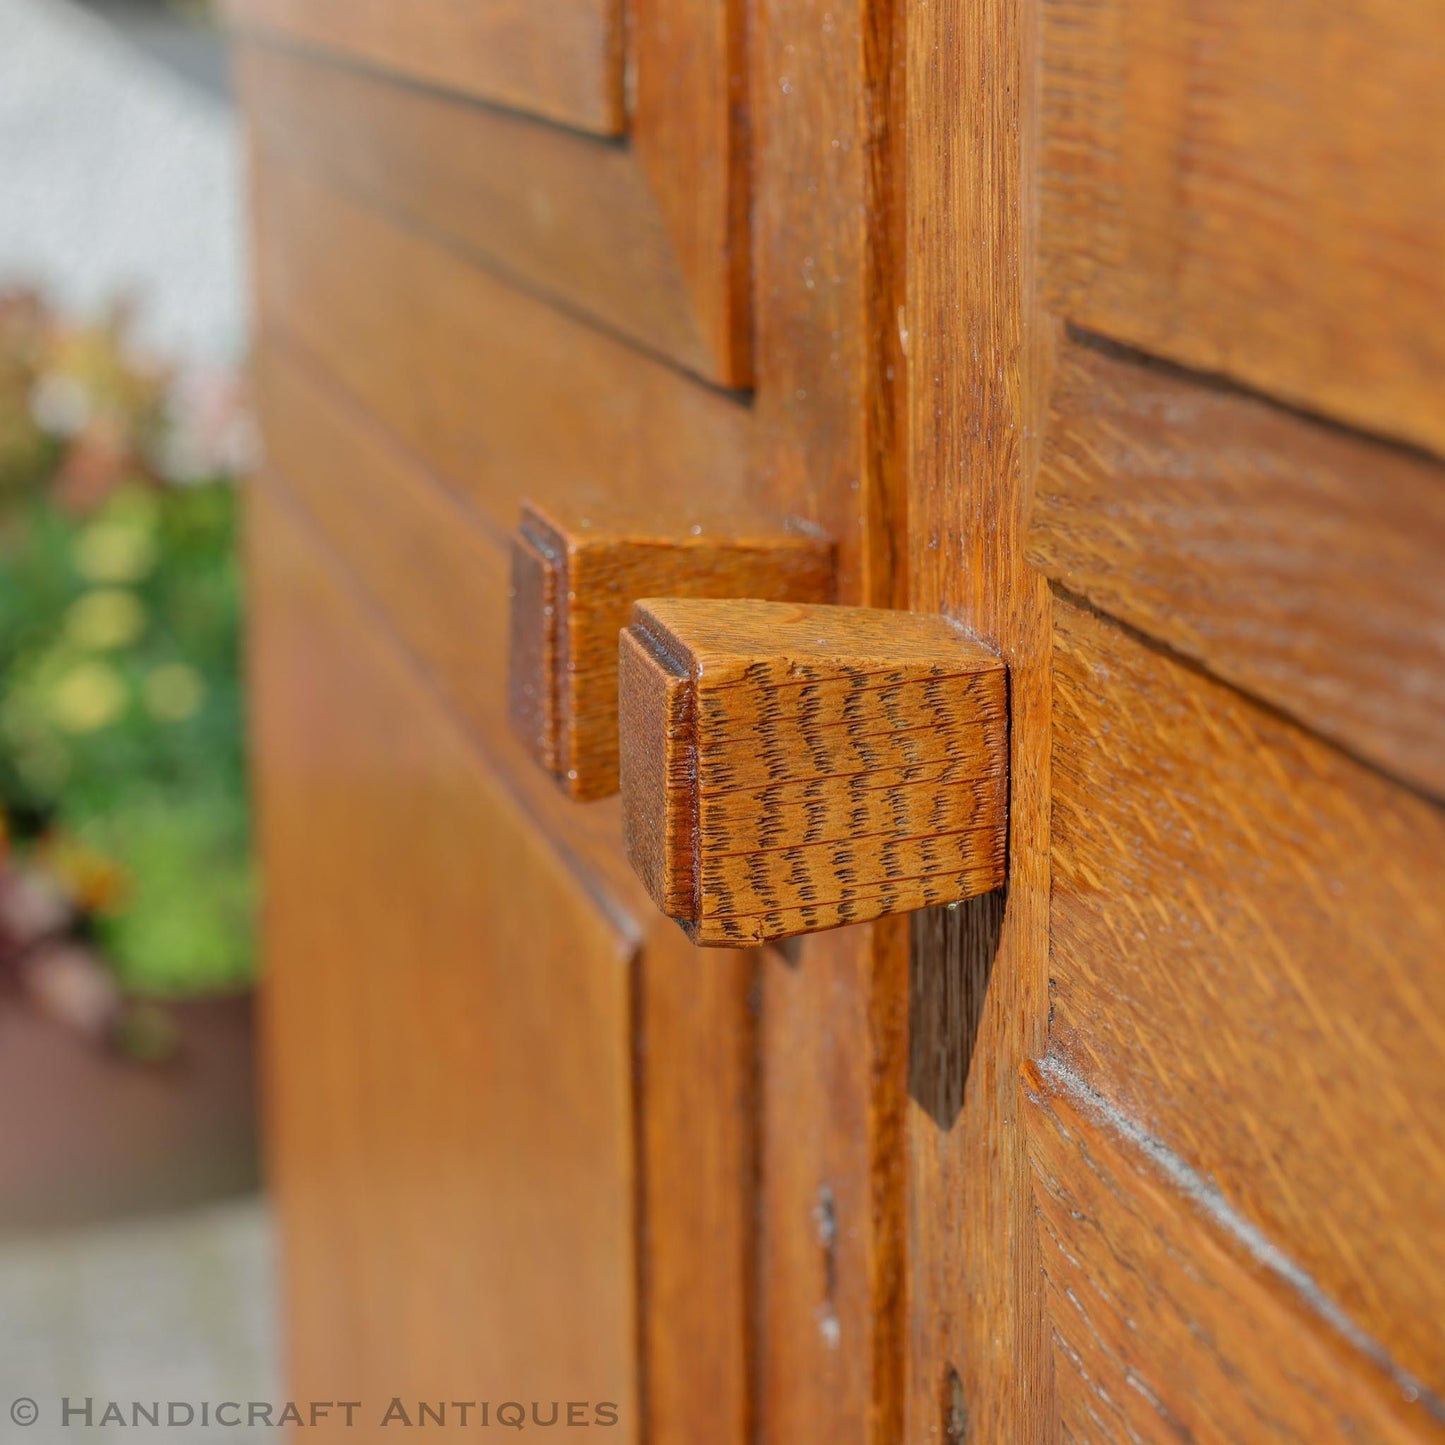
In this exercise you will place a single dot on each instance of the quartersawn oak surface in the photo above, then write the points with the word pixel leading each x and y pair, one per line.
pixel 1246 963
pixel 563 62
pixel 790 768
pixel 1166 1325
pixel 1295 560
pixel 554 205
pixel 1254 191
pixel 453 1147
pixel 567 216
pixel 576 572
pixel 424 557
pixel 496 390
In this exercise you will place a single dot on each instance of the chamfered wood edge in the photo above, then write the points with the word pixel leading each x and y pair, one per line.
pixel 534 643
pixel 1250 1297
pixel 657 706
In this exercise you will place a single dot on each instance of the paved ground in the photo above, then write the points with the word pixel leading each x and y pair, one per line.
pixel 120 171
pixel 167 1309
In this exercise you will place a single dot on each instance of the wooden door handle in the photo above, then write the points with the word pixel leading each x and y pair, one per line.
pixel 788 768
pixel 575 576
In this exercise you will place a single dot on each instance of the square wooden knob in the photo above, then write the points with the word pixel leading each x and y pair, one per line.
pixel 789 768
pixel 575 576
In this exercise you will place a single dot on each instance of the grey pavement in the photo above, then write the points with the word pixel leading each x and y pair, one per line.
pixel 175 1308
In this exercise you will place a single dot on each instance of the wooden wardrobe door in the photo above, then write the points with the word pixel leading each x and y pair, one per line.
pixel 1173 307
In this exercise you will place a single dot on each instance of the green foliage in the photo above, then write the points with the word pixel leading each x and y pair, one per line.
pixel 121 715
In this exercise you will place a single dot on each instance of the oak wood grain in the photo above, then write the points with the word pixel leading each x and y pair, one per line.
pixel 498 392
pixel 427 561
pixel 564 62
pixel 1167 1325
pixel 825 176
pixel 570 217
pixel 451 1135
pixel 977 352
pixel 1255 193
pixel 697 1088
pixel 576 572
pixel 800 767
pixel 1246 931
pixel 1297 561
pixel 688 126
pixel 691 1031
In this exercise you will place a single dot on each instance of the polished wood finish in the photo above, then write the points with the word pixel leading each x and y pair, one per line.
pixel 1255 193
pixel 791 768
pixel 575 575
pixel 833 1300
pixel 1299 562
pixel 1160 1288
pixel 979 1356
pixel 1061 311
pixel 447 1129
pixel 564 63
pixel 1304 928
pixel 576 219
pixel 497 391
pixel 688 127
pixel 424 557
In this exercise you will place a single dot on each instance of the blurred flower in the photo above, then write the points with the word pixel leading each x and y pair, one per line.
pixel 115 551
pixel 105 618
pixel 33 905
pixel 94 881
pixel 88 697
pixel 174 692
pixel 210 429
pixel 71 983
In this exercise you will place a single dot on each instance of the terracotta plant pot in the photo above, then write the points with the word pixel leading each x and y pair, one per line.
pixel 87 1133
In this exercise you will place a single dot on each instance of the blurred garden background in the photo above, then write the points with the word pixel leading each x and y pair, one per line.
pixel 134 1246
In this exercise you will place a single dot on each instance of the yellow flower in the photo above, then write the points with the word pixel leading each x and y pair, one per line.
pixel 89 697
pixel 106 617
pixel 118 551
pixel 97 882
pixel 174 692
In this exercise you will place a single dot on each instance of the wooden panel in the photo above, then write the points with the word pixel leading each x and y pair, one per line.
pixel 449 1033
pixel 690 131
pixel 697 1072
pixel 576 219
pixel 831 1253
pixel 979 1360
pixel 1246 933
pixel 1167 1327
pixel 443 585
pixel 1257 192
pixel 440 578
pixel 563 60
pixel 1293 559
pixel 831 1248
pixel 500 393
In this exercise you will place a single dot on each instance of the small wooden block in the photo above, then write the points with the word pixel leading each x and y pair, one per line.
pixel 788 768
pixel 574 581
